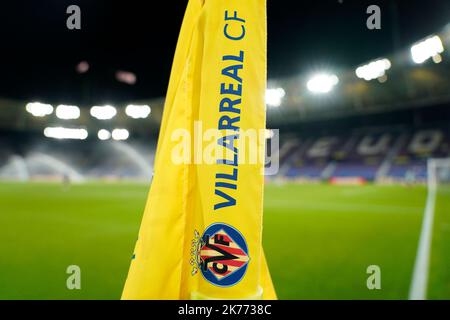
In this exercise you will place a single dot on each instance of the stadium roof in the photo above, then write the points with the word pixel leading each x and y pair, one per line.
pixel 39 54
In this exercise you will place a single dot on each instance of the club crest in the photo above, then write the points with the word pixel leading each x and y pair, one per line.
pixel 221 255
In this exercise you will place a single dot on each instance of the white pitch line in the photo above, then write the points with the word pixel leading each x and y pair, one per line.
pixel 419 284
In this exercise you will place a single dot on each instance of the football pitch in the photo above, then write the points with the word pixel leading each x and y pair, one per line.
pixel 319 239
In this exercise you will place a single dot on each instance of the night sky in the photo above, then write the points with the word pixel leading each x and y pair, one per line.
pixel 39 54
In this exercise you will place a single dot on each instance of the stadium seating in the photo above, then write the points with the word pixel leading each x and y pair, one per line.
pixel 360 153
pixel 76 160
pixel 369 155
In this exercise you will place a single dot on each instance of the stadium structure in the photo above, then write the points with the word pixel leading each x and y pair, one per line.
pixel 379 122
pixel 384 123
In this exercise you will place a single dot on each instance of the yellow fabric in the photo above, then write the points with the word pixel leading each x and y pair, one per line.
pixel 183 197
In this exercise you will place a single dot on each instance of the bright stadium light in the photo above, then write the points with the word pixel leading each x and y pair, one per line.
pixel 373 70
pixel 269 134
pixel 38 109
pixel 103 112
pixel 120 134
pixel 65 133
pixel 67 112
pixel 426 49
pixel 437 58
pixel 322 83
pixel 82 67
pixel 274 97
pixel 138 111
pixel 104 134
pixel 126 77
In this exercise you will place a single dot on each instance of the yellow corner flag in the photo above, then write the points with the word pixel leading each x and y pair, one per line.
pixel 200 236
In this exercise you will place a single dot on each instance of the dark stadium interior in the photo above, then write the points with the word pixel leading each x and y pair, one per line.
pixel 364 143
pixel 42 53
pixel 304 37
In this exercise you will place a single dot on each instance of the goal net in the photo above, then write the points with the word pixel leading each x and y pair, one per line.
pixel 438 174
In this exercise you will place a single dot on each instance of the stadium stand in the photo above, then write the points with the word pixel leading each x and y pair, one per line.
pixel 76 160
pixel 394 155
pixel 380 153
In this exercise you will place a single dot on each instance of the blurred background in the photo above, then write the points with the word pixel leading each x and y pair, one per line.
pixel 360 113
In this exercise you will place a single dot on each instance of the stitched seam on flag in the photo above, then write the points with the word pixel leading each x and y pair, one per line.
pixel 185 185
pixel 184 85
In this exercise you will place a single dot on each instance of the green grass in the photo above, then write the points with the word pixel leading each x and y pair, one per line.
pixel 439 287
pixel 44 229
pixel 319 239
pixel 334 233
